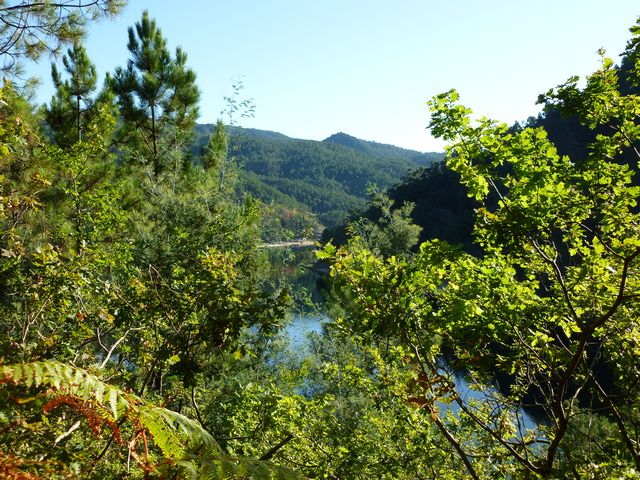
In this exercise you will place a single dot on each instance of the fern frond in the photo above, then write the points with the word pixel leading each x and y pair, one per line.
pixel 163 432
pixel 224 467
pixel 11 468
pixel 183 443
pixel 69 379
pixel 188 431
pixel 96 415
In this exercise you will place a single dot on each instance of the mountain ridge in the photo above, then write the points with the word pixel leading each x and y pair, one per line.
pixel 327 177
pixel 339 138
pixel 378 149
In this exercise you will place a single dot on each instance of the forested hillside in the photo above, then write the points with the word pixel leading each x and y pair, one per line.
pixel 441 208
pixel 329 178
pixel 381 150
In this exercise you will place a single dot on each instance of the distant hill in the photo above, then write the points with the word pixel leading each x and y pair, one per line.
pixel 383 150
pixel 329 177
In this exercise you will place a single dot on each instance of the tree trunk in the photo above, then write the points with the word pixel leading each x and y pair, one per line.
pixel 78 113
pixel 156 161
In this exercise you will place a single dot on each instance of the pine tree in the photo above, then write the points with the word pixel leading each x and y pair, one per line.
pixel 214 155
pixel 156 93
pixel 30 28
pixel 73 106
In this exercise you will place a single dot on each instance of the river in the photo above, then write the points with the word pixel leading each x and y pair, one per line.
pixel 302 326
pixel 299 329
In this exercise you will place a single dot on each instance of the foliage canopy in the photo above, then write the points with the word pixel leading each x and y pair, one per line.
pixel 140 326
pixel 546 318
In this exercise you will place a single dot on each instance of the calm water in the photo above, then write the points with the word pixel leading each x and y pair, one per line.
pixel 299 329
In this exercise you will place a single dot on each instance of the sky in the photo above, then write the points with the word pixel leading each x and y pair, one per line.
pixel 367 67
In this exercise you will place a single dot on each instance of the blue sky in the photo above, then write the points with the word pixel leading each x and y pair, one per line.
pixel 367 67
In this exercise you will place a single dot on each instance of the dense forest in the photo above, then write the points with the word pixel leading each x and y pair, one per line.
pixel 482 308
pixel 328 178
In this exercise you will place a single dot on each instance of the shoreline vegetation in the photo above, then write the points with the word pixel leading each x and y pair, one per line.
pixel 294 244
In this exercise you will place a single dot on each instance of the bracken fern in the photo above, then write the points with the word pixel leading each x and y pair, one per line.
pixel 164 443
